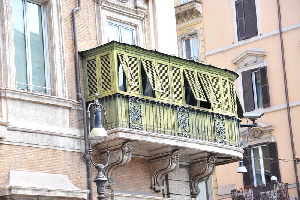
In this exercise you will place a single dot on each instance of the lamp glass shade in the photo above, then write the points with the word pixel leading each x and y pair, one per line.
pixel 98 133
pixel 242 168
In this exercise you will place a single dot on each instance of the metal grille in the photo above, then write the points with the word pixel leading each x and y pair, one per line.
pixel 163 72
pixel 183 122
pixel 135 113
pixel 92 78
pixel 106 76
pixel 195 85
pixel 220 131
pixel 177 84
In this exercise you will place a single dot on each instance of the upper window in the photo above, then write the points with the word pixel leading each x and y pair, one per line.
pixel 190 48
pixel 255 89
pixel 246 19
pixel 261 163
pixel 121 32
pixel 30 46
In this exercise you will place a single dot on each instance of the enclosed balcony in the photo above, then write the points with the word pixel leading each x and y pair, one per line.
pixel 161 101
pixel 160 96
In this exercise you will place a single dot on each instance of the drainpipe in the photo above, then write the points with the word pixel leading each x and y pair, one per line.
pixel 287 100
pixel 82 100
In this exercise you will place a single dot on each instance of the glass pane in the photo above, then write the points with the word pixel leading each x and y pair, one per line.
pixel 257 167
pixel 127 35
pixel 122 79
pixel 195 50
pixel 19 43
pixel 267 168
pixel 187 46
pixel 35 29
pixel 113 31
pixel 258 89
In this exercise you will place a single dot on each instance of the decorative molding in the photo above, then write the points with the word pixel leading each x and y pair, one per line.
pixel 199 172
pixel 259 134
pixel 250 51
pixel 118 157
pixel 185 13
pixel 161 166
pixel 138 10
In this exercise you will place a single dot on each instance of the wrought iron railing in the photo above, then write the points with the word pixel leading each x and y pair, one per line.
pixel 184 121
pixel 277 191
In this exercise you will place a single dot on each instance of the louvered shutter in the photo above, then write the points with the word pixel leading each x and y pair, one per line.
pixel 248 91
pixel 247 177
pixel 250 18
pixel 274 164
pixel 240 20
pixel 264 87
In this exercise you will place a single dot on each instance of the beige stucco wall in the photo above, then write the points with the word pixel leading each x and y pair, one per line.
pixel 222 47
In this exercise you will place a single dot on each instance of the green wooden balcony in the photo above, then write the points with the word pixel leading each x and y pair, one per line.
pixel 150 91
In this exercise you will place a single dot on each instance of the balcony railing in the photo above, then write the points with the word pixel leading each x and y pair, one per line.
pixel 147 115
pixel 277 191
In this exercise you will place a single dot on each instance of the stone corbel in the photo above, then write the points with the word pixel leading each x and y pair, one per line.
pixel 118 157
pixel 199 172
pixel 159 167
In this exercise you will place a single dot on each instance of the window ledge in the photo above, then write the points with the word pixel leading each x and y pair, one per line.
pixel 37 98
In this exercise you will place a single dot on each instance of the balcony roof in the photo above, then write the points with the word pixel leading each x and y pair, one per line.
pixel 127 47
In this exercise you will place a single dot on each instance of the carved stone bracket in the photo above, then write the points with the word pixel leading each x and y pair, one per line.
pixel 118 157
pixel 159 167
pixel 199 172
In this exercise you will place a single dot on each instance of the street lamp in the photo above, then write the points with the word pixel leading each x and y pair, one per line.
pixel 98 132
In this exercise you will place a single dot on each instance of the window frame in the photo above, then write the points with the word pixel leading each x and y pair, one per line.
pixel 28 52
pixel 249 89
pixel 55 49
pixel 248 160
pixel 120 26
pixel 195 58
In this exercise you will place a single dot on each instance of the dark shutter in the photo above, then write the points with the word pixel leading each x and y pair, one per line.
pixel 247 177
pixel 240 20
pixel 274 164
pixel 264 87
pixel 250 18
pixel 248 91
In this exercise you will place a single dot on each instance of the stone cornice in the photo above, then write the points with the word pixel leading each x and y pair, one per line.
pixel 139 11
pixel 189 11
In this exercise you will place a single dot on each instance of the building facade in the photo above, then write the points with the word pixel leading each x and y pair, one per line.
pixel 170 120
pixel 259 40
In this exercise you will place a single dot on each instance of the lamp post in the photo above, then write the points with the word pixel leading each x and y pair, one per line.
pixel 98 132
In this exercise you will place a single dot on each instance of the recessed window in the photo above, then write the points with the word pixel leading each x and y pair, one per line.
pixel 190 48
pixel 261 163
pixel 246 19
pixel 146 85
pixel 255 89
pixel 30 46
pixel 121 32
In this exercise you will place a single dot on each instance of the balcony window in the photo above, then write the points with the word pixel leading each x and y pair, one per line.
pixel 121 32
pixel 30 46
